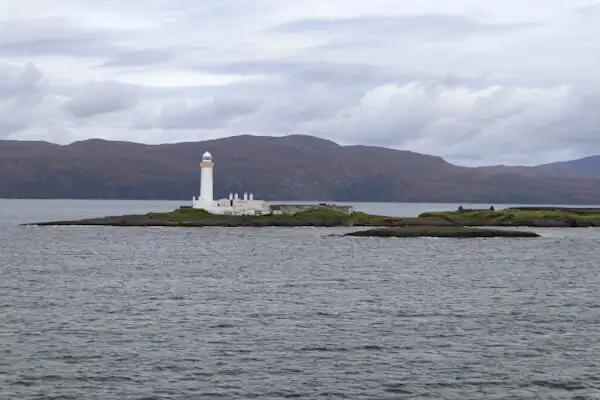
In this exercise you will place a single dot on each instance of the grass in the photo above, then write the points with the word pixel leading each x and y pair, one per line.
pixel 517 214
pixel 303 215
pixel 326 217
pixel 182 212
pixel 316 216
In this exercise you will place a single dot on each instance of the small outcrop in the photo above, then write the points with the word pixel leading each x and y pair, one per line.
pixel 442 232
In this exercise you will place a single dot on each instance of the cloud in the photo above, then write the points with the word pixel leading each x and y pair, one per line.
pixel 142 57
pixel 98 98
pixel 207 115
pixel 54 36
pixel 19 81
pixel 418 27
pixel 588 10
pixel 474 82
pixel 21 91
pixel 304 72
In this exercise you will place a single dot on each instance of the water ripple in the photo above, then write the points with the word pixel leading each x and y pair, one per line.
pixel 114 313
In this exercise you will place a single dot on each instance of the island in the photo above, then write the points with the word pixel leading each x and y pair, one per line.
pixel 460 223
pixel 326 216
pixel 441 232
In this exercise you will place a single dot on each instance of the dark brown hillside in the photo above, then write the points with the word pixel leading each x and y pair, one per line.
pixel 287 168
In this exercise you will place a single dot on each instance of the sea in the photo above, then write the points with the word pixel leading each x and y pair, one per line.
pixel 283 313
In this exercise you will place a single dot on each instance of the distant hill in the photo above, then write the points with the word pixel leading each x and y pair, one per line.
pixel 587 165
pixel 294 167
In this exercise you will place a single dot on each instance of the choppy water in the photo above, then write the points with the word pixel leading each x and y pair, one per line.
pixel 128 313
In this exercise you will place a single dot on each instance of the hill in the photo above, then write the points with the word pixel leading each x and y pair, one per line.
pixel 586 165
pixel 589 166
pixel 294 167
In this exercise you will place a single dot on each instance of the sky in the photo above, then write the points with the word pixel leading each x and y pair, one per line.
pixel 476 82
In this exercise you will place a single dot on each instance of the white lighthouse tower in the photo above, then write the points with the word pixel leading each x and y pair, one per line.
pixel 234 205
pixel 206 179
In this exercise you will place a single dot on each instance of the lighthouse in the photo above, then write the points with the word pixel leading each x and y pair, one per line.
pixel 206 179
pixel 234 205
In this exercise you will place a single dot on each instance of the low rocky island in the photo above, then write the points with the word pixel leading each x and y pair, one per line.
pixel 510 217
pixel 459 223
pixel 441 232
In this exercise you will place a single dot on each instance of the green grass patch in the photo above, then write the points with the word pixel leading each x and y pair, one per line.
pixel 516 214
pixel 319 213
pixel 182 212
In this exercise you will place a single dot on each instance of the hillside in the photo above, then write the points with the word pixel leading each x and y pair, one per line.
pixel 586 165
pixel 589 166
pixel 287 168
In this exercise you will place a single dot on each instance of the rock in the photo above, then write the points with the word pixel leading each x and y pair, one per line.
pixel 440 231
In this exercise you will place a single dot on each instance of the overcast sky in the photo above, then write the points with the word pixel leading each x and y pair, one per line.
pixel 476 82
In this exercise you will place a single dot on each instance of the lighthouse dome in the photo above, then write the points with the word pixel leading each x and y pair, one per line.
pixel 206 156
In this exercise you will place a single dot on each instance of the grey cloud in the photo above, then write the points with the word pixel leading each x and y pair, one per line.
pixel 340 74
pixel 303 113
pixel 55 36
pixel 345 74
pixel 426 26
pixel 353 76
pixel 140 58
pixel 220 9
pixel 15 82
pixel 21 93
pixel 210 115
pixel 10 123
pixel 253 67
pixel 98 98
pixel 592 9
pixel 290 112
pixel 577 120
pixel 212 13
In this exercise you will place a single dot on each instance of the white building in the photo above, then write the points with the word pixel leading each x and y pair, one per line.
pixel 231 206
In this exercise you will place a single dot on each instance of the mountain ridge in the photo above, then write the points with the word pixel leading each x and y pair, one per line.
pixel 293 167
